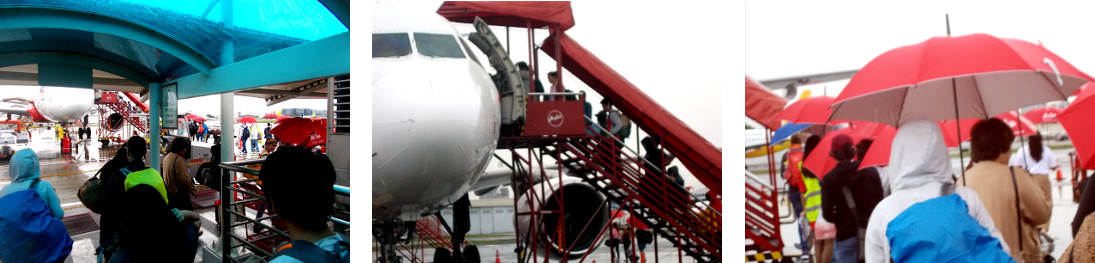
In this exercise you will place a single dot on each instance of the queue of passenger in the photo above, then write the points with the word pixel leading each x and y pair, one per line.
pixel 916 209
pixel 147 216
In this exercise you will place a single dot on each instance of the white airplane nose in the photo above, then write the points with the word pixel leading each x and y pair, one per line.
pixel 431 133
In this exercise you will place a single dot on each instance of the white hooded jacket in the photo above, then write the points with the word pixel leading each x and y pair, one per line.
pixel 919 167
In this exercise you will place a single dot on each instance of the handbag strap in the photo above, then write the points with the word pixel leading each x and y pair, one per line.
pixel 1018 213
pixel 855 218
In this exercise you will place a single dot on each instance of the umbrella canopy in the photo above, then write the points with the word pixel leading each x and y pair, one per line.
pixel 198 118
pixel 984 75
pixel 300 131
pixel 270 116
pixel 283 118
pixel 808 110
pixel 1020 126
pixel 879 152
pixel 1043 114
pixel 246 119
pixel 1076 121
pixel 191 116
pixel 786 131
pixel 819 160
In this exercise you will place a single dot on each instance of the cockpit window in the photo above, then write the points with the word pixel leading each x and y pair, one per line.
pixel 437 45
pixel 391 45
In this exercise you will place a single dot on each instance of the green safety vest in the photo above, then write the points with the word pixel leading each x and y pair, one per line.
pixel 812 196
pixel 148 177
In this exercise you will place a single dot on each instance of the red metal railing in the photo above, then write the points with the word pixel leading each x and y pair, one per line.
pixel 668 209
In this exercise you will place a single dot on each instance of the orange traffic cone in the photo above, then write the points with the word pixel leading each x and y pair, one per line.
pixel 643 256
pixel 497 257
pixel 1059 178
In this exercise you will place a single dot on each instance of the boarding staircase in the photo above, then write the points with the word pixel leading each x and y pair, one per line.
pixel 429 229
pixel 762 220
pixel 619 173
pixel 112 102
pixel 626 178
pixel 675 217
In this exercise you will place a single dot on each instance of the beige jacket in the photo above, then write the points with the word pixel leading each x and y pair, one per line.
pixel 176 175
pixel 1083 248
pixel 992 182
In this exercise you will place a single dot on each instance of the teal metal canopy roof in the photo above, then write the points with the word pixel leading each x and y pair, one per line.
pixel 166 40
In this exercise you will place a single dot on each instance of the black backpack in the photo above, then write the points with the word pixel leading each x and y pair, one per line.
pixel 246 133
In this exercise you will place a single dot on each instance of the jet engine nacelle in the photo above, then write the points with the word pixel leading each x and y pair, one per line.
pixel 581 204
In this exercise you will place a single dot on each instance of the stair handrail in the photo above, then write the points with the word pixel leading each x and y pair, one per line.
pixel 640 157
pixel 698 204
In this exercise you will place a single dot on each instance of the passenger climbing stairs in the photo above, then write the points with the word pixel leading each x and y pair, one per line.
pixel 625 178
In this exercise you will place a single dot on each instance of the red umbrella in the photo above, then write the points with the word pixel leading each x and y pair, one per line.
pixel 283 118
pixel 1076 119
pixel 246 119
pixel 1020 126
pixel 943 78
pixel 808 110
pixel 300 131
pixel 1043 114
pixel 191 116
pixel 270 116
pixel 1086 86
pixel 879 152
pixel 820 162
pixel 198 118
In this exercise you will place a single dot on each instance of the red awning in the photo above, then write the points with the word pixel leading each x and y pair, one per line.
pixel 515 14
pixel 761 104
pixel 701 157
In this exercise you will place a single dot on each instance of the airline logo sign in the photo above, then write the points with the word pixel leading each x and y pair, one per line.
pixel 550 118
pixel 555 118
pixel 1049 117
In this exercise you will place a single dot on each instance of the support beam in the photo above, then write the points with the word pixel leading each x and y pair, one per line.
pixel 269 92
pixel 43 57
pixel 33 77
pixel 155 107
pixel 300 91
pixel 228 56
pixel 227 130
pixel 321 58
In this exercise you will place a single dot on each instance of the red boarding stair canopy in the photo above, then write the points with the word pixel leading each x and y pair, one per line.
pixel 762 105
pixel 515 14
pixel 701 157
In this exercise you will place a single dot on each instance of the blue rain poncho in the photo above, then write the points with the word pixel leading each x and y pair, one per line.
pixel 922 222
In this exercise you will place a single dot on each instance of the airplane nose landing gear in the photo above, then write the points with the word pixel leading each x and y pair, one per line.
pixel 388 233
pixel 461 225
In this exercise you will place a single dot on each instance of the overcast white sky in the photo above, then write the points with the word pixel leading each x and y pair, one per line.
pixel 211 104
pixel 800 38
pixel 665 50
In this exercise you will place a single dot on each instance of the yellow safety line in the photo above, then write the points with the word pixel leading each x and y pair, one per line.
pixel 762 257
pixel 55 175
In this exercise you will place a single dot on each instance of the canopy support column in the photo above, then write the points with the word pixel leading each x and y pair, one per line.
pixel 155 101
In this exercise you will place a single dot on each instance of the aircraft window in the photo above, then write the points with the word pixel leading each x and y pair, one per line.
pixel 437 45
pixel 391 45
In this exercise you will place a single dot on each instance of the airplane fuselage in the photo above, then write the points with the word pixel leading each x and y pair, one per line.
pixel 435 115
